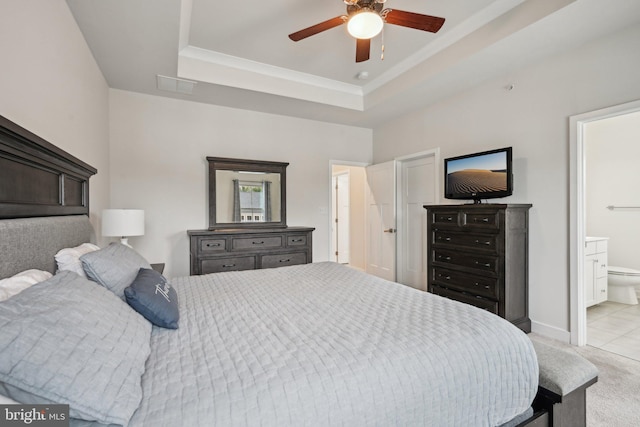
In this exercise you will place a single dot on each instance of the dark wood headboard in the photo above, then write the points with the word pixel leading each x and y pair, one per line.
pixel 39 179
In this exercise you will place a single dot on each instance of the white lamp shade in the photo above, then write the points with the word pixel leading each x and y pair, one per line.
pixel 365 24
pixel 122 222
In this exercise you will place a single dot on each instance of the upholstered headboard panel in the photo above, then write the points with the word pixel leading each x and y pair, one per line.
pixel 33 242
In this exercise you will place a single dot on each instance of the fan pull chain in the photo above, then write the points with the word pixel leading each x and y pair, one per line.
pixel 382 48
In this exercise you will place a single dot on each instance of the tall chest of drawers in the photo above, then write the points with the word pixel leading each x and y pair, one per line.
pixel 213 251
pixel 478 254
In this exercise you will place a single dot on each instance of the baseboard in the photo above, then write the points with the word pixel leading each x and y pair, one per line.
pixel 550 332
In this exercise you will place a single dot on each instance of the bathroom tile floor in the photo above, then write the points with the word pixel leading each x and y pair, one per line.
pixel 615 327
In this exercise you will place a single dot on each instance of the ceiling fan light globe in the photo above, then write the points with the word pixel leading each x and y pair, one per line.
pixel 365 25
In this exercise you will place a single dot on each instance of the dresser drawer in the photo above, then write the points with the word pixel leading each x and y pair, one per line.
pixel 471 283
pixel 212 245
pixel 296 240
pixel 488 220
pixel 487 242
pixel 256 243
pixel 444 217
pixel 227 264
pixel 486 263
pixel 479 302
pixel 282 260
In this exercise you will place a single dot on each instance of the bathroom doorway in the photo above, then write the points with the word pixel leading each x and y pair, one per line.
pixel 612 210
pixel 599 170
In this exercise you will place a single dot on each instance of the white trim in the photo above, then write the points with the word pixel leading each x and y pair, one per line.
pixel 577 227
pixel 445 40
pixel 218 68
pixel 550 331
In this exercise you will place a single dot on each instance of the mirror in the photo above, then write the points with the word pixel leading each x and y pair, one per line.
pixel 246 193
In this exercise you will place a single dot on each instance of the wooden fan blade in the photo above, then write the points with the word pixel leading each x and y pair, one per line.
pixel 362 49
pixel 414 20
pixel 315 29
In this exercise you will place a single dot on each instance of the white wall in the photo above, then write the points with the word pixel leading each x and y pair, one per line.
pixel 533 118
pixel 50 85
pixel 612 150
pixel 158 163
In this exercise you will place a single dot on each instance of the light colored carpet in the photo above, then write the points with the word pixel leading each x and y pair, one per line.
pixel 614 401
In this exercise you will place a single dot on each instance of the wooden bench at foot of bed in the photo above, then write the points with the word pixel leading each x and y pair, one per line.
pixel 564 378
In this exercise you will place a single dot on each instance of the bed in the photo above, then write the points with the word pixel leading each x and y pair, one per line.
pixel 318 344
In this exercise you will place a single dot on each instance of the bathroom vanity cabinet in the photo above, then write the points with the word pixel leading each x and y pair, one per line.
pixel 595 270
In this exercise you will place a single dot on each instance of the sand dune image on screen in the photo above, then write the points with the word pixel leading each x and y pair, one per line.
pixel 477 180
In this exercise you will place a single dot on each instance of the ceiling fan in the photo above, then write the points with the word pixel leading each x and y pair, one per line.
pixel 365 19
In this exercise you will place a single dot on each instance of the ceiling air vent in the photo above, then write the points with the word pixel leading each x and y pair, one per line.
pixel 172 84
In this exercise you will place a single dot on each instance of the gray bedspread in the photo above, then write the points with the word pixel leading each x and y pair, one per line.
pixel 325 345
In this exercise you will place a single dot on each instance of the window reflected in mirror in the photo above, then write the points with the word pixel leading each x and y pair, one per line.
pixel 247 197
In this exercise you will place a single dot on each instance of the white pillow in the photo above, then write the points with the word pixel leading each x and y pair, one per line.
pixel 4 400
pixel 69 258
pixel 21 281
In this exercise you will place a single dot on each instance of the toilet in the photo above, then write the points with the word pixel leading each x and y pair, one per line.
pixel 622 284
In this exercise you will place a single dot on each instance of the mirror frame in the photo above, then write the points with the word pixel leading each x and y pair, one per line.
pixel 222 163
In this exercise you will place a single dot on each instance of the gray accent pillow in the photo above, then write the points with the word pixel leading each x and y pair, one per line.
pixel 152 296
pixel 114 267
pixel 68 340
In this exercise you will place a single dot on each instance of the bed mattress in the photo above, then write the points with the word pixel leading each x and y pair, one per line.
pixel 324 345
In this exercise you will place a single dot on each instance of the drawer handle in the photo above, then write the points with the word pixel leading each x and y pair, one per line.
pixel 285 260
pixel 486 264
pixel 296 240
pixel 446 258
pixel 258 243
pixel 213 245
pixel 484 243
pixel 446 239
pixel 481 220
pixel 228 265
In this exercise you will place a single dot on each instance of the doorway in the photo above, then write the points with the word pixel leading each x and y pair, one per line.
pixel 340 211
pixel 387 221
pixel 578 210
pixel 347 219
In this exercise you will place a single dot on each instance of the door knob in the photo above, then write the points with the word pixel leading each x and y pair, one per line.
pixel 390 230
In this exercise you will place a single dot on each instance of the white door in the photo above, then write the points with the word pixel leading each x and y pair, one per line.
pixel 417 188
pixel 342 217
pixel 381 221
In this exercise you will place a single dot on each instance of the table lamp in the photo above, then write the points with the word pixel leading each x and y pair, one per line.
pixel 123 222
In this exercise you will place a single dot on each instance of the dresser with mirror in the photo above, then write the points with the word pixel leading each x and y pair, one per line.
pixel 247 220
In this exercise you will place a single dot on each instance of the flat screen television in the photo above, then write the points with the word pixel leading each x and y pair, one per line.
pixel 477 176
